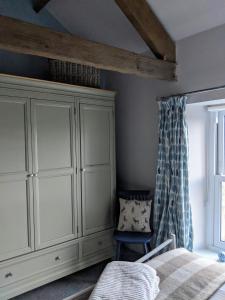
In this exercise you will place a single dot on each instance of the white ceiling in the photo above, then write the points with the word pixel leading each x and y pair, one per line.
pixel 97 20
pixel 102 20
pixel 183 18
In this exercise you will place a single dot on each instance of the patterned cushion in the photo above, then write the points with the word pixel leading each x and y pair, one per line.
pixel 134 215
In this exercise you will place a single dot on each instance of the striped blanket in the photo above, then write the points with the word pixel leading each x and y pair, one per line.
pixel 122 280
pixel 185 275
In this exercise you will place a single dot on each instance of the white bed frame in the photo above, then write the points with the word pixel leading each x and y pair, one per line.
pixel 171 242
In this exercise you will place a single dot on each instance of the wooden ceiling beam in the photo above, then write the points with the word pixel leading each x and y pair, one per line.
pixel 149 27
pixel 27 38
pixel 39 4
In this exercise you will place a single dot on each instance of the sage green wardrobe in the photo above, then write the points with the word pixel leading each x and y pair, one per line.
pixel 57 181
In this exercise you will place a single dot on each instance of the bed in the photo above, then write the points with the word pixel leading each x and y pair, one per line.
pixel 183 275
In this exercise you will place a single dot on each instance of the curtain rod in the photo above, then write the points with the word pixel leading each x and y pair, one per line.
pixel 191 92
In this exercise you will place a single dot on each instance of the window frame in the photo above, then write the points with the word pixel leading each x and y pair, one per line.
pixel 216 175
pixel 217 214
pixel 220 147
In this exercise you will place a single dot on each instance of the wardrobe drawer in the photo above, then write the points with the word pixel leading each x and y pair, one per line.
pixel 27 267
pixel 95 244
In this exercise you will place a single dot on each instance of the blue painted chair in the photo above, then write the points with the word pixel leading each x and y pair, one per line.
pixel 133 237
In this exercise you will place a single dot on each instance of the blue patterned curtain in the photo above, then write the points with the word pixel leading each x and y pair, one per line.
pixel 172 211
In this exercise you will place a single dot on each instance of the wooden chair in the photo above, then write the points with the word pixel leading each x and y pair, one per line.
pixel 133 237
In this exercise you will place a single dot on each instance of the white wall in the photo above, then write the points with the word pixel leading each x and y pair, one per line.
pixel 201 60
pixel 197 125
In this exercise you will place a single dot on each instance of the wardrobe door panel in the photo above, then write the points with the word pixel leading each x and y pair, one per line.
pixel 53 137
pixel 16 210
pixel 55 209
pixel 97 167
pixel 13 217
pixel 54 168
pixel 12 136
pixel 96 136
pixel 97 199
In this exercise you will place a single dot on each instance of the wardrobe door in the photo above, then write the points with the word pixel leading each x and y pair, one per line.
pixel 16 231
pixel 54 172
pixel 97 152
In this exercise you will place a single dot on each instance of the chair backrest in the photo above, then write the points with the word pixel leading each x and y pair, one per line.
pixel 135 195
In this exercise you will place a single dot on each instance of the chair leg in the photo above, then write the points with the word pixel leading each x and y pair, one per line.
pixel 146 248
pixel 118 251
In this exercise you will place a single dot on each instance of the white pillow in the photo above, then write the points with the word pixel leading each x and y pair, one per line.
pixel 134 215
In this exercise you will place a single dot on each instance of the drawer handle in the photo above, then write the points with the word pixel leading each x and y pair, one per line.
pixel 57 258
pixel 7 275
pixel 100 243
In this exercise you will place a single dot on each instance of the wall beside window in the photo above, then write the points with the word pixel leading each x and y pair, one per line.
pixel 197 125
pixel 201 64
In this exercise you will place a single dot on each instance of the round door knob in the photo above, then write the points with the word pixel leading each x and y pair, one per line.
pixel 83 170
pixel 7 275
pixel 57 258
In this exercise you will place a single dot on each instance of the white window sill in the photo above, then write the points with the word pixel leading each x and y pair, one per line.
pixel 207 253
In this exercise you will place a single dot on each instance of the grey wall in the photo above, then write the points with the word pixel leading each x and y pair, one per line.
pixel 26 65
pixel 201 64
pixel 201 60
pixel 136 128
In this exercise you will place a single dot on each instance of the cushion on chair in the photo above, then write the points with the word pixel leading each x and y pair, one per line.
pixel 134 215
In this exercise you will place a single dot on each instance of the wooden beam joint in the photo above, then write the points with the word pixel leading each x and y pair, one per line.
pixel 149 27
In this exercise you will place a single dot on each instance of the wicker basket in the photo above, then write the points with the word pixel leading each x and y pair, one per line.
pixel 74 73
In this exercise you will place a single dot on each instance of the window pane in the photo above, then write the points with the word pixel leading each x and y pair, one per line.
pixel 222 220
pixel 220 143
pixel 223 147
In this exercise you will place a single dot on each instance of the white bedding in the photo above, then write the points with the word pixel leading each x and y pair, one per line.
pixel 127 280
pixel 122 280
pixel 220 294
pixel 188 276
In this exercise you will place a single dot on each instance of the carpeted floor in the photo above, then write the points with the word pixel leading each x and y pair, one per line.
pixel 65 286
pixel 71 284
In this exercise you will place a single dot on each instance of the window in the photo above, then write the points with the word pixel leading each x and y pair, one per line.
pixel 216 167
